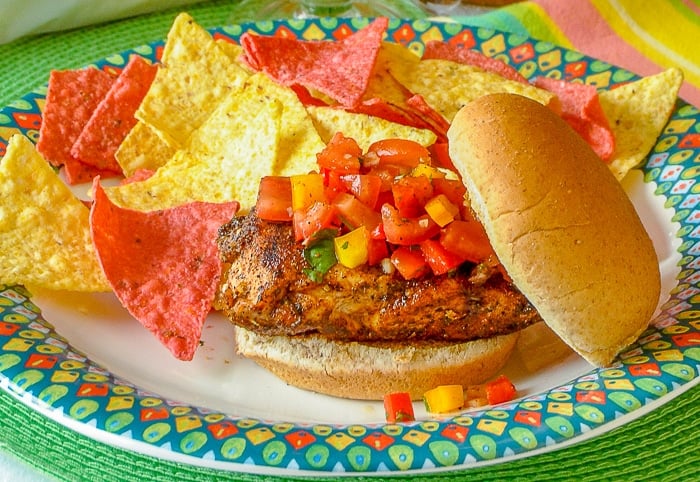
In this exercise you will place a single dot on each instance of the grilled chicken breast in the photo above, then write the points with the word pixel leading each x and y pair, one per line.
pixel 264 289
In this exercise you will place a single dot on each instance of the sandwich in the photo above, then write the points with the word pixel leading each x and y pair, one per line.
pixel 565 247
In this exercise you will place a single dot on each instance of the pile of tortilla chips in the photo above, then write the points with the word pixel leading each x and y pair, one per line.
pixel 87 115
pixel 194 133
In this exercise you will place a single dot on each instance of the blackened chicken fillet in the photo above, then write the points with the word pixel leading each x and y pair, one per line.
pixel 264 289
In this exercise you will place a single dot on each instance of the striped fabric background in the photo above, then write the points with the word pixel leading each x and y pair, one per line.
pixel 643 36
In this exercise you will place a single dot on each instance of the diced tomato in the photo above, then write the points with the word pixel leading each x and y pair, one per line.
pixel 364 187
pixel 404 231
pixel 377 251
pixel 453 189
pixel 440 153
pixel 342 154
pixel 438 258
pixel 354 213
pixel 388 174
pixel 409 262
pixel 320 215
pixel 402 152
pixel 500 390
pixel 378 232
pixel 274 201
pixel 410 195
pixel 385 197
pixel 398 407
pixel 332 180
pixel 466 239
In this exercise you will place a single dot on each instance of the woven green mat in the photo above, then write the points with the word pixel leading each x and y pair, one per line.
pixel 662 445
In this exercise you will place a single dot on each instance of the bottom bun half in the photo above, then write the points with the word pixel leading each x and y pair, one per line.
pixel 370 371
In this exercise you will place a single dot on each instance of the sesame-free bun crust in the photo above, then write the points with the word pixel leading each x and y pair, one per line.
pixel 368 372
pixel 559 222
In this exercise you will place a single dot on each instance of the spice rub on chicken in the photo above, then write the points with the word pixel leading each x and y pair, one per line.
pixel 266 288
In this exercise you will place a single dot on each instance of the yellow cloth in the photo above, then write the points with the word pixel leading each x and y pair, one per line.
pixel 642 36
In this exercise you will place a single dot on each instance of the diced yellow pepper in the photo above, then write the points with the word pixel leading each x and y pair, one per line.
pixel 444 399
pixel 441 210
pixel 352 249
pixel 428 171
pixel 306 190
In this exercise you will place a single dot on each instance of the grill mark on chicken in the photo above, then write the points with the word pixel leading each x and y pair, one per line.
pixel 265 290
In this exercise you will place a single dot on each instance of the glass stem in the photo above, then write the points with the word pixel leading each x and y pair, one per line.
pixel 325 8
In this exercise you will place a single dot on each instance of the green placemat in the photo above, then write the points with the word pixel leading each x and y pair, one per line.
pixel 662 445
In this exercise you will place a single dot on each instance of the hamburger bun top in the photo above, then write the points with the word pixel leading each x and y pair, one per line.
pixel 559 222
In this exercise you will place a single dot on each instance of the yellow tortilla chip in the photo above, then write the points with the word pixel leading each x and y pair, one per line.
pixel 142 148
pixel 223 160
pixel 194 75
pixel 299 142
pixel 234 52
pixel 44 228
pixel 365 129
pixel 448 86
pixel 382 84
pixel 637 113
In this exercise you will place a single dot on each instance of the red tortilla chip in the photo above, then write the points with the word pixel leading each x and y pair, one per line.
pixel 340 69
pixel 436 49
pixel 78 173
pixel 440 125
pixel 380 108
pixel 162 265
pixel 138 176
pixel 406 116
pixel 581 109
pixel 305 96
pixel 71 98
pixel 114 116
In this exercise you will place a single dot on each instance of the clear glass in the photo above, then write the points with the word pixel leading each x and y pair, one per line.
pixel 441 7
pixel 256 10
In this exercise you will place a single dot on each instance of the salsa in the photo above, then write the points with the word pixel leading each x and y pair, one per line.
pixel 392 205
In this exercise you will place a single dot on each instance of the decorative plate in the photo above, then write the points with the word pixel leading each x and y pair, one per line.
pixel 81 360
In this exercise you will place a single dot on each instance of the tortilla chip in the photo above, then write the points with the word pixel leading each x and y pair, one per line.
pixel 581 109
pixel 434 118
pixel 114 116
pixel 194 75
pixel 306 97
pixel 448 86
pixel 377 107
pixel 340 69
pixel 76 172
pixel 235 53
pixel 637 113
pixel 298 139
pixel 71 98
pixel 142 148
pixel 163 265
pixel 363 128
pixel 137 176
pixel 237 144
pixel 44 231
pixel 383 85
pixel 436 49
